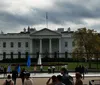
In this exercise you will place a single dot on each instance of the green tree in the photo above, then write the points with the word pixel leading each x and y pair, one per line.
pixel 87 42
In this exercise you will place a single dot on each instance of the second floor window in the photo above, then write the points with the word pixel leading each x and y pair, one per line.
pixel 4 44
pixel 66 44
pixel 19 44
pixel 12 44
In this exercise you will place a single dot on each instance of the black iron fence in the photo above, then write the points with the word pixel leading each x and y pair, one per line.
pixel 52 57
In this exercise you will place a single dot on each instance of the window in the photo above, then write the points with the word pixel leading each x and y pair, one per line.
pixel 19 44
pixel 26 44
pixel 11 55
pixel 12 44
pixel 4 44
pixel 66 44
pixel 19 54
pixel 4 55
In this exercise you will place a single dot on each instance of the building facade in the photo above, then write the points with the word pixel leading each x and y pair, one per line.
pixel 30 41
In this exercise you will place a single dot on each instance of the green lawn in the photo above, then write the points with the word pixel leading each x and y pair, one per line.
pixel 71 65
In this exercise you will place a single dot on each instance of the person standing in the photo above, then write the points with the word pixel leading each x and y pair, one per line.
pixel 66 79
pixel 5 71
pixel 78 79
pixel 28 80
pixel 14 75
pixel 83 71
pixel 35 68
pixel 9 69
pixel 22 75
pixel 53 69
pixel 41 68
pixel 53 82
pixel 59 80
pixel 49 69
pixel 8 81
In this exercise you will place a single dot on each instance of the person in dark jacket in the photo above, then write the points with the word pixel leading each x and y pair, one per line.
pixel 66 78
pixel 22 75
pixel 14 75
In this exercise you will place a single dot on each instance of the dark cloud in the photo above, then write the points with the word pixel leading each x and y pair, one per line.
pixel 63 12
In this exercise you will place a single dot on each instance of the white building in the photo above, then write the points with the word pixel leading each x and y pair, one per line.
pixel 32 41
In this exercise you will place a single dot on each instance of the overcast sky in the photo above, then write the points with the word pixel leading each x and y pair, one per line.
pixel 18 14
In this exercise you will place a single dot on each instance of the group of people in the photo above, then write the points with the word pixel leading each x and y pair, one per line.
pixel 28 80
pixel 81 69
pixel 65 79
pixel 51 69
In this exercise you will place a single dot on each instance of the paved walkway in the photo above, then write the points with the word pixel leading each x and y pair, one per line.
pixel 46 75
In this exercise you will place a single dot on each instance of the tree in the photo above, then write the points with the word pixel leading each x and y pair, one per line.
pixel 87 42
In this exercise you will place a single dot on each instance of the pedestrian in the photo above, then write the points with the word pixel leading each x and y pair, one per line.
pixel 22 75
pixel 66 66
pixel 51 80
pixel 35 68
pixel 14 75
pixel 9 69
pixel 78 79
pixel 28 80
pixel 5 71
pixel 41 68
pixel 86 69
pixel 8 81
pixel 53 69
pixel 66 78
pixel 49 69
pixel 59 80
pixel 83 71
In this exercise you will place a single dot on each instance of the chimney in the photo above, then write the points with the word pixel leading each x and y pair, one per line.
pixel 28 29
pixel 24 30
pixel 69 29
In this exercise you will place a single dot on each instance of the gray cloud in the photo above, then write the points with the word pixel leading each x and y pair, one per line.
pixel 61 13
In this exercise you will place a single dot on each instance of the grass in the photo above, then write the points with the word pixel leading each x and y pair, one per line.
pixel 71 65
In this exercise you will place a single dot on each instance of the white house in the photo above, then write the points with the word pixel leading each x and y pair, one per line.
pixel 32 41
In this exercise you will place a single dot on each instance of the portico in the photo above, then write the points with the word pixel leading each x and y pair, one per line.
pixel 46 41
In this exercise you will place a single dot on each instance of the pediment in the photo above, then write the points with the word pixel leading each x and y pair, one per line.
pixel 46 32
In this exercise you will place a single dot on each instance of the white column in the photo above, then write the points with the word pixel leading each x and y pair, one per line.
pixel 40 45
pixel 50 47
pixel 31 47
pixel 59 47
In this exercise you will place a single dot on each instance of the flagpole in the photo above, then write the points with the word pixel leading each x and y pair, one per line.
pixel 47 19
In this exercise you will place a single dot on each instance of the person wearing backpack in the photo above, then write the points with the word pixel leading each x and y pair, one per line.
pixel 8 81
pixel 66 79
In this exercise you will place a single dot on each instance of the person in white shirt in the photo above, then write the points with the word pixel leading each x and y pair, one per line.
pixel 8 81
pixel 41 68
pixel 53 69
pixel 28 80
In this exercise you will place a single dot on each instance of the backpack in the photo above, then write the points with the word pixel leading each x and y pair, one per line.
pixel 8 82
pixel 68 80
